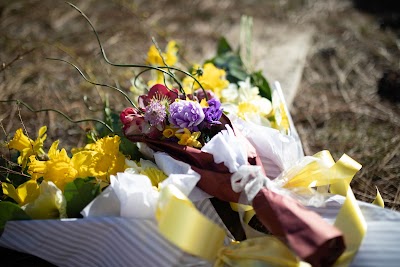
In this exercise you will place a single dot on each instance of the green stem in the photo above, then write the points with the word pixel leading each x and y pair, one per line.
pixel 95 83
pixel 57 111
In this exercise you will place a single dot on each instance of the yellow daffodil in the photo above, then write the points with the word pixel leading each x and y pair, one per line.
pixel 189 139
pixel 169 131
pixel 49 204
pixel 25 193
pixel 155 175
pixel 212 79
pixel 105 145
pixel 246 107
pixel 26 146
pixel 104 165
pixel 281 121
pixel 147 168
pixel 154 58
pixel 170 55
pixel 58 169
pixel 100 159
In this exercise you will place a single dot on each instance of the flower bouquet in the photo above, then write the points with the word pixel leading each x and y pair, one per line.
pixel 205 168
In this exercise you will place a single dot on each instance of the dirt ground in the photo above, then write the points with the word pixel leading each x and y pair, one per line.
pixel 337 106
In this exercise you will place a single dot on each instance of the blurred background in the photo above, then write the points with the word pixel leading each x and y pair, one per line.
pixel 347 99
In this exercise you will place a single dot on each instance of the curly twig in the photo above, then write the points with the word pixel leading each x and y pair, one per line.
pixel 17 57
pixel 57 111
pixel 95 83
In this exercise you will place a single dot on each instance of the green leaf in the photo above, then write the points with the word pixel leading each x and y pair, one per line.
pixel 11 212
pixel 111 118
pixel 258 79
pixel 78 194
pixel 237 73
pixel 227 60
pixel 223 46
pixel 130 149
pixel 233 66
pixel 127 147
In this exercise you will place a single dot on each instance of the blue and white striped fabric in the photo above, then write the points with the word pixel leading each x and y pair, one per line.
pixel 101 241
pixel 115 241
pixel 107 241
pixel 381 244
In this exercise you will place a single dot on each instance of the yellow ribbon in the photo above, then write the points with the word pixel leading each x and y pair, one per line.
pixel 183 225
pixel 324 171
pixel 260 251
pixel 378 199
pixel 248 211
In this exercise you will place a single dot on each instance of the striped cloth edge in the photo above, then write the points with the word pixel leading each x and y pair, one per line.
pixel 115 241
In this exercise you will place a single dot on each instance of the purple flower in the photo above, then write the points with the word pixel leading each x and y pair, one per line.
pixel 186 114
pixel 155 113
pixel 213 112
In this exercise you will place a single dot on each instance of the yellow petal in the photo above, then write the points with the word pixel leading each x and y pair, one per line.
pixel 155 175
pixel 36 168
pixel 20 141
pixel 25 193
pixel 42 131
pixel 196 135
pixel 203 103
pixel 28 191
pixel 168 132
pixel 53 151
pixel 9 190
pixel 81 162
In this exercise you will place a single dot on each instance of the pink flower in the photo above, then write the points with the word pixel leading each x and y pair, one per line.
pixel 132 121
pixel 127 115
pixel 158 92
pixel 135 124
pixel 155 114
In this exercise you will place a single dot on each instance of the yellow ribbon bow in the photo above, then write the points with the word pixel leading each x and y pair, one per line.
pixel 323 171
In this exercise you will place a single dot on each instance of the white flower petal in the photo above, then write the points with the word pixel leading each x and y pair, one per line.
pixel 50 204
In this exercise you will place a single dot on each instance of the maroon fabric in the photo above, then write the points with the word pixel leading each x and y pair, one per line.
pixel 304 231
